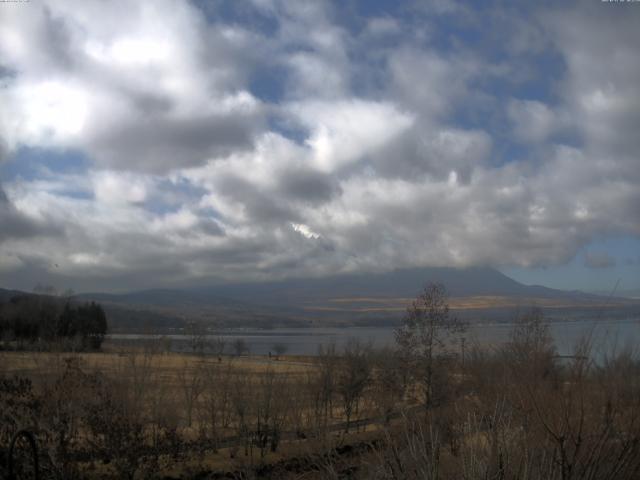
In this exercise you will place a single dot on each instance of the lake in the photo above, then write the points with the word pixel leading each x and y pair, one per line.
pixel 606 335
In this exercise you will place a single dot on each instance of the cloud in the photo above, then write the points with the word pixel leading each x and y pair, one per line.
pixel 137 93
pixel 281 138
pixel 533 121
pixel 110 188
pixel 307 185
pixel 16 226
pixel 4 150
pixel 382 26
pixel 438 152
pixel 428 82
pixel 599 88
pixel 342 132
pixel 305 231
pixel 599 260
pixel 13 225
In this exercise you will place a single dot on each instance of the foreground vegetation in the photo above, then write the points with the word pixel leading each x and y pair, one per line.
pixel 419 411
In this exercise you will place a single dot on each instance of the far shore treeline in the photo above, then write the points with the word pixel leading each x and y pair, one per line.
pixel 46 322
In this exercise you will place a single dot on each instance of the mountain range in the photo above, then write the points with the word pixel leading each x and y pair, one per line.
pixel 405 283
pixel 373 298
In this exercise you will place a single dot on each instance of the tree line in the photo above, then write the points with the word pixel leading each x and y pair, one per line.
pixel 27 320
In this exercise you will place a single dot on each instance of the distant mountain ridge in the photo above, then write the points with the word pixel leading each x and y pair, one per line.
pixel 355 299
pixel 475 281
pixel 7 294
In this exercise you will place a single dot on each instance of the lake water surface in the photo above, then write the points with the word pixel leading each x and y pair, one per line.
pixel 606 336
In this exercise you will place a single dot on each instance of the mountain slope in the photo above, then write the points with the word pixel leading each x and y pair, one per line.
pixel 356 299
pixel 292 293
pixel 7 294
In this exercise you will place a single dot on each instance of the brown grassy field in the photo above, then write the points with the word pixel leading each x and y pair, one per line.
pixel 178 393
pixel 481 302
pixel 167 365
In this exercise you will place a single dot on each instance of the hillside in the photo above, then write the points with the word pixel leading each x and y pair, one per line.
pixel 299 292
pixel 477 293
pixel 356 299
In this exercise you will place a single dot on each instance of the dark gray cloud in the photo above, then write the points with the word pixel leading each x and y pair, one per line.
pixel 260 206
pixel 4 150
pixel 13 224
pixel 162 143
pixel 307 185
pixel 17 226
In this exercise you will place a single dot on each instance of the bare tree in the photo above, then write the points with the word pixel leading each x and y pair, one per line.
pixel 531 348
pixel 215 408
pixel 272 404
pixel 426 335
pixel 218 345
pixel 197 333
pixel 240 346
pixel 137 373
pixel 389 381
pixel 191 381
pixel 279 349
pixel 242 404
pixel 321 388
pixel 353 377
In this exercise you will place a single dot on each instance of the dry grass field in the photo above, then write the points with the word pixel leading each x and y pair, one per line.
pixel 229 413
pixel 480 302
pixel 42 365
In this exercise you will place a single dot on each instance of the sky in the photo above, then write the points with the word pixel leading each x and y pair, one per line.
pixel 163 143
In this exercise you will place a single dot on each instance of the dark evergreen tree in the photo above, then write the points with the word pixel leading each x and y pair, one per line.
pixel 30 318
